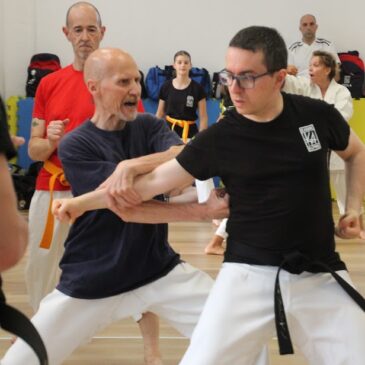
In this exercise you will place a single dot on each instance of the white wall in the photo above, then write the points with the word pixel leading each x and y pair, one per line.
pixel 153 30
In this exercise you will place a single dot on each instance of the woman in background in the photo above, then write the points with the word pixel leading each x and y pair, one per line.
pixel 180 98
pixel 179 101
pixel 322 85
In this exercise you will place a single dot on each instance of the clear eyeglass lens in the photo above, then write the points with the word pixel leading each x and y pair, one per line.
pixel 225 79
pixel 244 81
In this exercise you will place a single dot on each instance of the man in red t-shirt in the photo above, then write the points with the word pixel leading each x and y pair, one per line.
pixel 62 102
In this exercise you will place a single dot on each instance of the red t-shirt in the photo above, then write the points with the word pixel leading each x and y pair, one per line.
pixel 63 95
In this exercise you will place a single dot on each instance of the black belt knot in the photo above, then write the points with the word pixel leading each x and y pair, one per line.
pixel 296 263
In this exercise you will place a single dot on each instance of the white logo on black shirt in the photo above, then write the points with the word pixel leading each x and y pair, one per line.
pixel 190 101
pixel 310 138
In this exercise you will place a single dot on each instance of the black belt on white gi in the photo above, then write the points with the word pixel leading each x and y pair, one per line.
pixel 13 321
pixel 298 263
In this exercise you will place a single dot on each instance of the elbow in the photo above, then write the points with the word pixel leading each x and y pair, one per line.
pixel 37 151
pixel 35 146
pixel 33 152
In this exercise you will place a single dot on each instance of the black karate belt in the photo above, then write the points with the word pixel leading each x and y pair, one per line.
pixel 297 263
pixel 13 321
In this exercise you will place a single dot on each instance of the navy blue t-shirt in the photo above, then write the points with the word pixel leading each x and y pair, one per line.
pixel 105 256
pixel 277 177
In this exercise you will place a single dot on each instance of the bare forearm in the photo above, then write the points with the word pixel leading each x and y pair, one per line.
pixel 45 138
pixel 147 163
pixel 40 149
pixel 203 123
pixel 355 181
pixel 162 180
pixel 160 113
pixel 96 199
pixel 160 212
pixel 203 115
pixel 188 195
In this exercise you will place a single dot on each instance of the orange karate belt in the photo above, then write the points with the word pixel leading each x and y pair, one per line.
pixel 184 124
pixel 56 174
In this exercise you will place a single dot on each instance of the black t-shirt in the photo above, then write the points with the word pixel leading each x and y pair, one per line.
pixel 6 146
pixel 277 177
pixel 182 104
pixel 105 256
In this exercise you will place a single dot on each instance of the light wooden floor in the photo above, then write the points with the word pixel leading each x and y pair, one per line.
pixel 121 343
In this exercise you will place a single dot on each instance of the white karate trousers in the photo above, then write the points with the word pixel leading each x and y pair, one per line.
pixel 325 324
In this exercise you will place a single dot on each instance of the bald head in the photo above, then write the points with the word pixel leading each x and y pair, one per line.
pixel 106 61
pixel 308 17
pixel 113 79
pixel 83 5
pixel 308 27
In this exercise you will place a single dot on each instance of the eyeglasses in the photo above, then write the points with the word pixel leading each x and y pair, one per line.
pixel 244 81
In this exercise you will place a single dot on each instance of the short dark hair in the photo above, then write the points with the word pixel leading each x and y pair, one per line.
pixel 328 60
pixel 98 17
pixel 182 53
pixel 267 40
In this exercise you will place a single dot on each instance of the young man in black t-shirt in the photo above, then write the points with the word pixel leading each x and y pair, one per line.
pixel 271 153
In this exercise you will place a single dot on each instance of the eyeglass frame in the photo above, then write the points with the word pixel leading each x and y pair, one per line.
pixel 238 78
